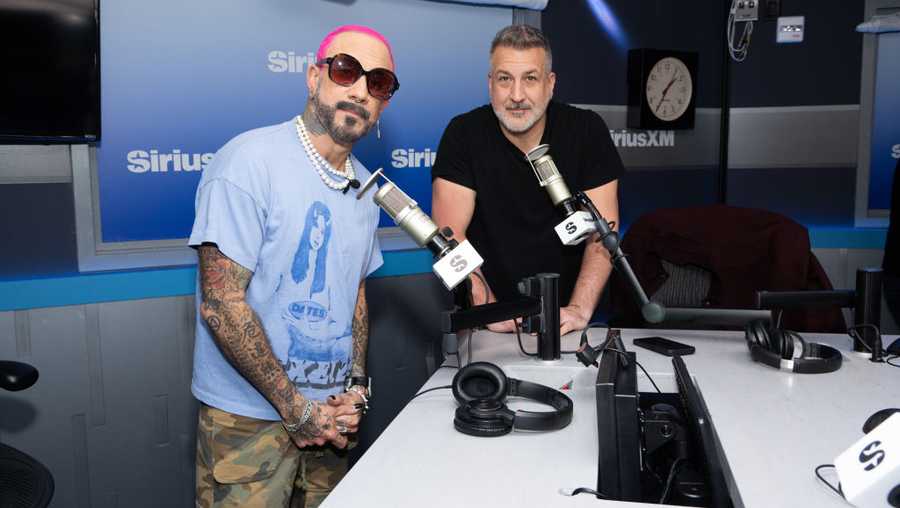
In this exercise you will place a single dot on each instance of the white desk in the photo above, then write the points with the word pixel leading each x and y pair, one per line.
pixel 774 427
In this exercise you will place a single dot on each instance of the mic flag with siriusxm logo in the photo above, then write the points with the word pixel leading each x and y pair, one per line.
pixel 869 470
pixel 182 78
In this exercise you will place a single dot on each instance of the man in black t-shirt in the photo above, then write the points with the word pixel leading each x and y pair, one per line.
pixel 486 191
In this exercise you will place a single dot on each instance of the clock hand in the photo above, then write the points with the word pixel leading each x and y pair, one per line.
pixel 666 90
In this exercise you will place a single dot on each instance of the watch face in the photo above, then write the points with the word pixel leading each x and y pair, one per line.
pixel 669 89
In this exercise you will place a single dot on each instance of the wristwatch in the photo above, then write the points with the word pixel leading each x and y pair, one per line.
pixel 364 381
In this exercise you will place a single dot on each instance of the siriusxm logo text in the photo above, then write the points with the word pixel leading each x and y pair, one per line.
pixel 624 138
pixel 410 158
pixel 142 161
pixel 288 61
pixel 895 151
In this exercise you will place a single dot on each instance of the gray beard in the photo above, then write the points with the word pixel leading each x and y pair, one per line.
pixel 341 134
pixel 539 112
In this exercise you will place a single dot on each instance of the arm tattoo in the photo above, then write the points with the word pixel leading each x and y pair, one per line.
pixel 360 330
pixel 239 333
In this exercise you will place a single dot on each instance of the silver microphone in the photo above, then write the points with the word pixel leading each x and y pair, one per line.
pixel 407 214
pixel 548 175
pixel 455 261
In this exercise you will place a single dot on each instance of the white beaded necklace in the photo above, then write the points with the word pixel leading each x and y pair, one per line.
pixel 318 162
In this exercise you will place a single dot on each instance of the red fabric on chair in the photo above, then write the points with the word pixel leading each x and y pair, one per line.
pixel 745 250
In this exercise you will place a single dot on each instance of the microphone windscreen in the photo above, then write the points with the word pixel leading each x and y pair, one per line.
pixel 392 199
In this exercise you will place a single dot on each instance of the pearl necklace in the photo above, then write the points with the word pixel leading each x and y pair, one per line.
pixel 319 162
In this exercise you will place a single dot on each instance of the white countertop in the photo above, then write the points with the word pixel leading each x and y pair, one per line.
pixel 774 427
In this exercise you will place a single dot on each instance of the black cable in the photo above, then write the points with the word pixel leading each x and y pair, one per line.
pixel 851 331
pixel 519 338
pixel 595 324
pixel 639 365
pixel 855 335
pixel 823 480
pixel 423 392
pixel 585 490
pixel 672 472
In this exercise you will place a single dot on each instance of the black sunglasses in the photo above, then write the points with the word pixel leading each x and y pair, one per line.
pixel 345 70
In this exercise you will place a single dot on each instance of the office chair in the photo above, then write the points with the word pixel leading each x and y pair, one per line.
pixel 24 482
pixel 718 256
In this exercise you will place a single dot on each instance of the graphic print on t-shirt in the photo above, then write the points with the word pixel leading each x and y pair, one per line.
pixel 319 354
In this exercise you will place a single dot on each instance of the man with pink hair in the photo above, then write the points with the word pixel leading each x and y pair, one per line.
pixel 282 320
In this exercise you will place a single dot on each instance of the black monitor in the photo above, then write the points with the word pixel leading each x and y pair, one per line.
pixel 50 90
pixel 618 426
pixel 623 469
pixel 700 428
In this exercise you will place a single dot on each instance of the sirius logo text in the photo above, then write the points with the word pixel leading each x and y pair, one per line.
pixel 895 151
pixel 142 161
pixel 626 139
pixel 288 61
pixel 410 158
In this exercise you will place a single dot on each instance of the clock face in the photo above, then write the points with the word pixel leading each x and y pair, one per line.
pixel 669 89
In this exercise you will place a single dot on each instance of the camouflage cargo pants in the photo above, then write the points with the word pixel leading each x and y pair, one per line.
pixel 253 463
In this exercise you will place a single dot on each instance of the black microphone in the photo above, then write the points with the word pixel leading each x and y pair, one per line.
pixel 576 227
pixel 352 183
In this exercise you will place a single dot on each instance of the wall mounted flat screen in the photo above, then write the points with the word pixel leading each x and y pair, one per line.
pixel 50 91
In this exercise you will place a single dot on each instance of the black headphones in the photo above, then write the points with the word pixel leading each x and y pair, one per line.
pixel 776 348
pixel 481 389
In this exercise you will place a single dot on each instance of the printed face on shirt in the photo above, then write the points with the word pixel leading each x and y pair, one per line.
pixel 348 112
pixel 317 233
pixel 520 87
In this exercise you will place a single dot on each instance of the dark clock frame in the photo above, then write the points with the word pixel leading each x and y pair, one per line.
pixel 640 61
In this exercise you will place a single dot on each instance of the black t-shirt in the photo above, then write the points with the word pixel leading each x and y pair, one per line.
pixel 512 226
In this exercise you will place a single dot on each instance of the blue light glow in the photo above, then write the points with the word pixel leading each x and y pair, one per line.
pixel 608 22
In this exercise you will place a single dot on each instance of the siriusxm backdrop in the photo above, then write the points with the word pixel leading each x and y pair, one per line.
pixel 885 126
pixel 182 78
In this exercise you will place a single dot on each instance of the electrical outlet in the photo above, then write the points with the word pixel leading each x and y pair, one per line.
pixel 790 29
pixel 747 10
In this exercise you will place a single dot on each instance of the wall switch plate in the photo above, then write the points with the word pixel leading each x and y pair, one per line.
pixel 789 29
pixel 746 10
pixel 771 9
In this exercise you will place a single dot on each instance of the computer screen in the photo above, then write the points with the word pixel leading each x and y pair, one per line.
pixel 700 428
pixel 618 426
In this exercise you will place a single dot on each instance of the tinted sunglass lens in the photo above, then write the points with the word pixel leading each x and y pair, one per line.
pixel 381 83
pixel 345 70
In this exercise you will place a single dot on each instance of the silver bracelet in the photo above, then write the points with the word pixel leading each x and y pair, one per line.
pixel 307 413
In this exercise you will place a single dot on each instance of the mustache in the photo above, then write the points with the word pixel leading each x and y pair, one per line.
pixel 353 108
pixel 518 107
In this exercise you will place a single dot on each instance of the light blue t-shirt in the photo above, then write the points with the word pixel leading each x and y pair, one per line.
pixel 308 246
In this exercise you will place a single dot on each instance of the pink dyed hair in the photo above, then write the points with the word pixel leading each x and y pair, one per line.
pixel 352 28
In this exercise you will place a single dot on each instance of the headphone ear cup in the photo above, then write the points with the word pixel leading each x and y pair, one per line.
pixel 777 341
pixel 480 381
pixel 755 334
pixel 482 418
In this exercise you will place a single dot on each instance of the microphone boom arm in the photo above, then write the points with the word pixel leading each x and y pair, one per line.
pixel 609 238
